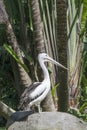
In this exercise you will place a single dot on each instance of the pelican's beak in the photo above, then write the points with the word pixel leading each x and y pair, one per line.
pixel 55 62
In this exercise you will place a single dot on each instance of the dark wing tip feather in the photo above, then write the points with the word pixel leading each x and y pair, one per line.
pixel 25 99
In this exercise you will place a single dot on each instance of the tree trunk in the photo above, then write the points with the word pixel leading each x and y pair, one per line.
pixel 48 104
pixel 37 26
pixel 25 80
pixel 21 77
pixel 5 111
pixel 63 100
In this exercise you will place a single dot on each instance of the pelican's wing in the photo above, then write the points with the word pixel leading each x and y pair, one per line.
pixel 25 97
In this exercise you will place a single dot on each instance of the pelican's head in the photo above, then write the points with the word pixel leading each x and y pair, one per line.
pixel 43 57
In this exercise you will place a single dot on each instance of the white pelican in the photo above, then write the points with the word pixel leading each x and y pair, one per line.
pixel 36 92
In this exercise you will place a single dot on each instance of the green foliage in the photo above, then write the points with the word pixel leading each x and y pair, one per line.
pixel 2 128
pixel 26 56
pixel 81 109
pixel 53 90
pixel 84 17
pixel 2 34
pixel 7 91
pixel 12 9
pixel 84 73
pixel 78 114
pixel 83 82
pixel 73 18
pixel 9 95
pixel 15 56
pixel 78 14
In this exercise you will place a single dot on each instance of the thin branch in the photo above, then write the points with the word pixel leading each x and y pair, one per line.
pixel 5 110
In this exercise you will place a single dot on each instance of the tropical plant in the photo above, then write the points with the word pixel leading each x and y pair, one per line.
pixel 74 48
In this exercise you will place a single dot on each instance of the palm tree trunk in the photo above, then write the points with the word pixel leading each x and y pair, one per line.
pixel 48 104
pixel 62 50
pixel 37 26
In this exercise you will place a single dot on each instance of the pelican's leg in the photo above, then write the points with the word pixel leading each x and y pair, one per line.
pixel 39 110
pixel 28 107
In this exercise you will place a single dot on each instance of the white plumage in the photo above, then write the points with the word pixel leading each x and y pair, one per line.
pixel 38 91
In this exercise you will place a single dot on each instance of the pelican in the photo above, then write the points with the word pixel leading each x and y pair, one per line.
pixel 36 92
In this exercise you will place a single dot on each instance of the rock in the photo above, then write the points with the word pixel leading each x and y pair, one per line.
pixel 50 121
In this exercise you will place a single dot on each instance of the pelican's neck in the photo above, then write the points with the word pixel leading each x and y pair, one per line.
pixel 45 71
